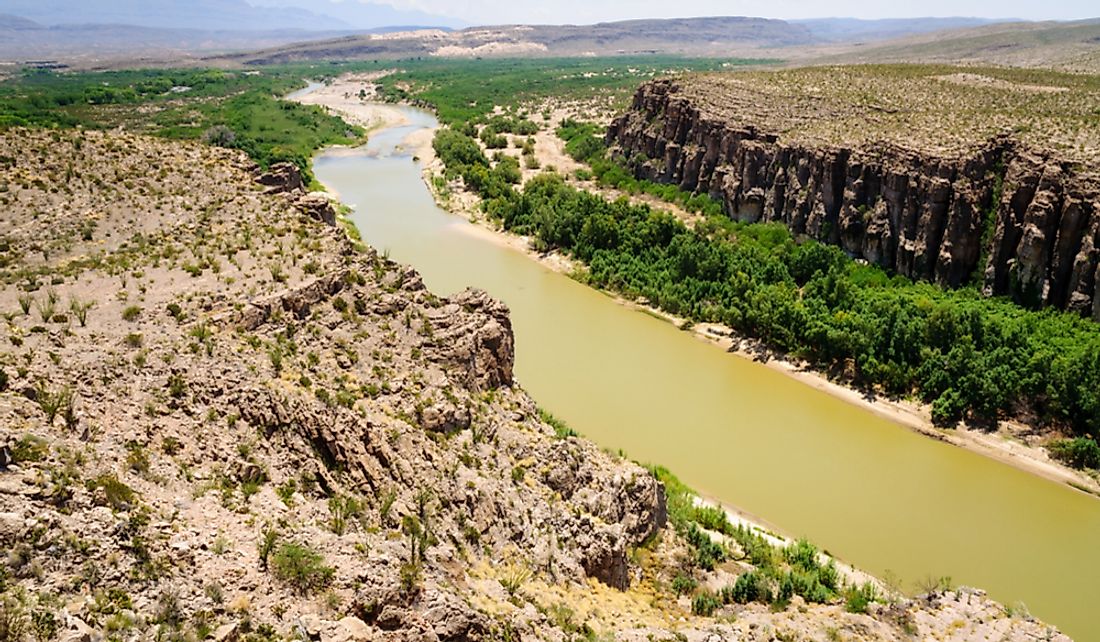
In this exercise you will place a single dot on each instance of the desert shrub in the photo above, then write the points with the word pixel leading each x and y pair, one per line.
pixel 343 509
pixel 857 598
pixel 266 544
pixel 177 385
pixel 119 496
pixel 301 567
pixel 708 553
pixel 705 603
pixel 30 448
pixel 561 429
pixel 80 310
pixel 219 135
pixel 683 583
pixel 13 619
pixel 751 587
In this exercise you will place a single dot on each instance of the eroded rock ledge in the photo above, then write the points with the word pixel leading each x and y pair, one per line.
pixel 922 215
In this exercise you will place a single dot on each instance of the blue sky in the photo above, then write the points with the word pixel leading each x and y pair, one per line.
pixel 586 11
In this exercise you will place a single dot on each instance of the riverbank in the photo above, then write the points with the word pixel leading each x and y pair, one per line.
pixel 342 97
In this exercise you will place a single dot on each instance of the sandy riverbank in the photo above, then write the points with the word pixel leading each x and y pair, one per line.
pixel 351 97
pixel 342 97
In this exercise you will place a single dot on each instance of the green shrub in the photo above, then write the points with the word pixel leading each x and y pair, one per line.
pixel 137 459
pixel 708 553
pixel 177 385
pixel 1080 452
pixel 713 518
pixel 266 545
pixel 802 554
pixel 705 603
pixel 342 509
pixel 30 448
pixel 682 584
pixel 13 619
pixel 80 310
pixel 751 587
pixel 131 313
pixel 857 598
pixel 301 567
pixel 119 496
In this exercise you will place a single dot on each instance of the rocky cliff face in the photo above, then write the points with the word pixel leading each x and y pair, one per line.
pixel 1018 221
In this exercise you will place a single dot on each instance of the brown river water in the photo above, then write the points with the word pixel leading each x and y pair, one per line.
pixel 869 491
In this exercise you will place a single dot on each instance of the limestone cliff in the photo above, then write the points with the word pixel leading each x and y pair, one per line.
pixel 1018 220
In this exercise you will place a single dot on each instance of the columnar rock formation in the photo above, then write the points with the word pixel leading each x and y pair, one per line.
pixel 1016 220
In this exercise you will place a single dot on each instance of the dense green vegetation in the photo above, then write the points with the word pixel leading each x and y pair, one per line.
pixel 463 91
pixel 969 356
pixel 232 109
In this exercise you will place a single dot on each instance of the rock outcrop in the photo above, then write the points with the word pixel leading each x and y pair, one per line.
pixel 1019 221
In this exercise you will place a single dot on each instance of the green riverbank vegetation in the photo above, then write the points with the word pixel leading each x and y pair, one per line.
pixel 463 92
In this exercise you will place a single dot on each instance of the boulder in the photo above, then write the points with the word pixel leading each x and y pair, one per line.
pixel 281 178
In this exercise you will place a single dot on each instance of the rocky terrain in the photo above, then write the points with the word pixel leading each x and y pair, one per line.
pixel 221 417
pixel 947 174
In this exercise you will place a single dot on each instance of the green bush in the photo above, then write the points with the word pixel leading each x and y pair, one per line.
pixel 561 429
pixel 708 553
pixel 683 584
pixel 751 586
pixel 119 496
pixel 1080 452
pixel 705 603
pixel 30 448
pixel 858 598
pixel 301 567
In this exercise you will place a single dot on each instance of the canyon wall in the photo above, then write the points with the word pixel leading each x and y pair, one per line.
pixel 1015 221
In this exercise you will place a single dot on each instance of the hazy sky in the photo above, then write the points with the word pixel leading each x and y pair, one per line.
pixel 586 11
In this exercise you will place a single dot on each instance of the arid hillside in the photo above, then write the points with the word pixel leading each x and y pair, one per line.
pixel 1065 46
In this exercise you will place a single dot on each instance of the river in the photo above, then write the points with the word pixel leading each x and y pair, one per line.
pixel 867 490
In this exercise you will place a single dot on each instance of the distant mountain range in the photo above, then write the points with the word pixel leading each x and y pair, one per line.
pixel 854 29
pixel 100 32
pixel 710 36
pixel 222 15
